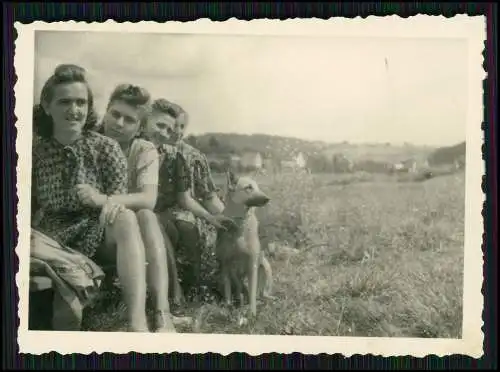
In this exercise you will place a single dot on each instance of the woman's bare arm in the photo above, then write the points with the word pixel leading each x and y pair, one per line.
pixel 146 199
pixel 146 182
pixel 187 202
pixel 213 204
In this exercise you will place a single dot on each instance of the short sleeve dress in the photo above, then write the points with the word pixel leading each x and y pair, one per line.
pixel 93 159
pixel 143 165
pixel 185 168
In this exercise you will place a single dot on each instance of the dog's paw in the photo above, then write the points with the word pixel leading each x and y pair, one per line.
pixel 242 321
pixel 269 297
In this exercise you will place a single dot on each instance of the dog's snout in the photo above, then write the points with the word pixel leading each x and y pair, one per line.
pixel 258 200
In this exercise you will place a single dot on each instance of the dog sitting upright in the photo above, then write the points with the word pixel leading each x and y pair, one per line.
pixel 238 249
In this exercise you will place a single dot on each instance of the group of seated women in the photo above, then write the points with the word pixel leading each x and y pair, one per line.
pixel 126 190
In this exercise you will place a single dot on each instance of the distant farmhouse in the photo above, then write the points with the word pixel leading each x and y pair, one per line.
pixel 234 161
pixel 251 160
pixel 297 161
pixel 410 166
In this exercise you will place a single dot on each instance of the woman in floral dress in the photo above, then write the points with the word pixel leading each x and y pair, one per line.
pixel 187 199
pixel 68 156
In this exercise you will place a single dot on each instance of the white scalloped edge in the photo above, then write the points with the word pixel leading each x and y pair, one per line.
pixel 472 28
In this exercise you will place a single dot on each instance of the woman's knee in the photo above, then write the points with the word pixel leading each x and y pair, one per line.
pixel 126 224
pixel 146 217
pixel 126 217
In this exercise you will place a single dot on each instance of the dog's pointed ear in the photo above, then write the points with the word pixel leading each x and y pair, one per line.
pixel 232 180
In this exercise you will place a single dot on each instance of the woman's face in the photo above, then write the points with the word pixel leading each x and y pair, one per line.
pixel 121 121
pixel 161 129
pixel 180 127
pixel 68 107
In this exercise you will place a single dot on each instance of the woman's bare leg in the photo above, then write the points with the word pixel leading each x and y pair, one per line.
pixel 125 235
pixel 171 234
pixel 157 271
pixel 174 285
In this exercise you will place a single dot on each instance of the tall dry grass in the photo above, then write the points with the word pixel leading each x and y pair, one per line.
pixel 376 258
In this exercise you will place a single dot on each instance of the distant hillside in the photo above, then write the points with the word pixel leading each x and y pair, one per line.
pixel 447 155
pixel 268 146
pixel 284 147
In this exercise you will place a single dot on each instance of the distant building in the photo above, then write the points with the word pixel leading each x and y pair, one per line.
pixel 410 166
pixel 300 160
pixel 296 162
pixel 251 160
pixel 234 161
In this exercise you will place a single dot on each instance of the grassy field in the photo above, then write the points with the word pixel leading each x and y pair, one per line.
pixel 376 257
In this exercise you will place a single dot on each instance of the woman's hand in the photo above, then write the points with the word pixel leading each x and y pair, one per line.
pixel 109 212
pixel 222 222
pixel 90 196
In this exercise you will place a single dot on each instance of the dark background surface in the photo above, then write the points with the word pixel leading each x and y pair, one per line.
pixel 218 11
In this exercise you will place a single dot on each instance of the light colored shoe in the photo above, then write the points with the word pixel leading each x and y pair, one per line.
pixel 164 323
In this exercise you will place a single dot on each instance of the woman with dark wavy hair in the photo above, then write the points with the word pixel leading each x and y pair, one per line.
pixel 68 155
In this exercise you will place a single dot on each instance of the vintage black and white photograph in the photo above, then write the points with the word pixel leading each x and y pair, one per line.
pixel 183 181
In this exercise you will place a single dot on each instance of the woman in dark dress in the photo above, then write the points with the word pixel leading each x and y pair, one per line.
pixel 187 198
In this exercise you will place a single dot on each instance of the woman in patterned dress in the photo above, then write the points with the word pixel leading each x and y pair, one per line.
pixel 187 198
pixel 67 156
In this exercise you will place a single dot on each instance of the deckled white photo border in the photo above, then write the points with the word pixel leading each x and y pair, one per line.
pixel 461 26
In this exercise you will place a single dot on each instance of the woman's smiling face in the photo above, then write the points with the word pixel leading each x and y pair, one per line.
pixel 68 107
pixel 160 128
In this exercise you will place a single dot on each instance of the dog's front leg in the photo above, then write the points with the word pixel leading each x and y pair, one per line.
pixel 238 285
pixel 226 280
pixel 253 271
pixel 268 279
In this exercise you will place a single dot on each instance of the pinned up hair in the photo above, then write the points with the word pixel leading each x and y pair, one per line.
pixel 63 74
pixel 132 95
pixel 166 107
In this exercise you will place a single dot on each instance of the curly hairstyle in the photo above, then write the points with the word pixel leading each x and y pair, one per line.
pixel 63 74
pixel 133 95
pixel 172 109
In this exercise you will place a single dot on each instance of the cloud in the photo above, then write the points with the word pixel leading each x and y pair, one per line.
pixel 156 55
pixel 317 88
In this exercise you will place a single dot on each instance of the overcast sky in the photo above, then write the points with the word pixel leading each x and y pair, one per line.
pixel 318 88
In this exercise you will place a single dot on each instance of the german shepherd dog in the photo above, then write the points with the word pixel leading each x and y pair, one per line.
pixel 238 249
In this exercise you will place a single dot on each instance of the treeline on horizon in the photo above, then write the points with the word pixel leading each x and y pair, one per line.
pixel 282 148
